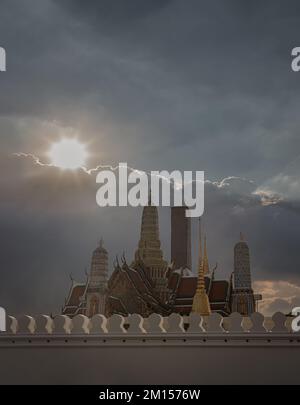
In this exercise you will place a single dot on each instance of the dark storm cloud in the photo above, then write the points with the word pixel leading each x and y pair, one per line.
pixel 51 224
pixel 207 74
pixel 162 85
pixel 111 16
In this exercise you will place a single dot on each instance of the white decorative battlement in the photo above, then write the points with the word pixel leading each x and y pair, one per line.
pixel 194 328
pixel 174 349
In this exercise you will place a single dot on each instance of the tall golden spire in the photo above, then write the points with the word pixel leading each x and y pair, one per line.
pixel 201 302
pixel 205 259
pixel 200 246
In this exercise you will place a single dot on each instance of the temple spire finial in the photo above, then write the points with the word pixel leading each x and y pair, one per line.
pixel 200 246
pixel 205 263
pixel 201 303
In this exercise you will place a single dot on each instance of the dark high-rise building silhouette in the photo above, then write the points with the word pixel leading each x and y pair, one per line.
pixel 181 254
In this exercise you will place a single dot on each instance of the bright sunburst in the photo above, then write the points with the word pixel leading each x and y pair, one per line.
pixel 68 154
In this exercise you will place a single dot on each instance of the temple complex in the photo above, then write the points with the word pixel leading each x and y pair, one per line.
pixel 149 284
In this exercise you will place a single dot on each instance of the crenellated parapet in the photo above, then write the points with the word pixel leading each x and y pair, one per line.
pixel 174 349
pixel 134 327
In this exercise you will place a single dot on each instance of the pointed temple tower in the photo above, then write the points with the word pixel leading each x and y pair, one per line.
pixel 97 282
pixel 243 300
pixel 150 253
pixel 201 303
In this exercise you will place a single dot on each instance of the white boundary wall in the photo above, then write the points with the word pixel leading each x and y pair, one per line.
pixel 156 350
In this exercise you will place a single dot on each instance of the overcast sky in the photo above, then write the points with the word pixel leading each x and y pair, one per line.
pixel 160 84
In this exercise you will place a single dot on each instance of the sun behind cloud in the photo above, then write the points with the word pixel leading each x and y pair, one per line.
pixel 68 153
